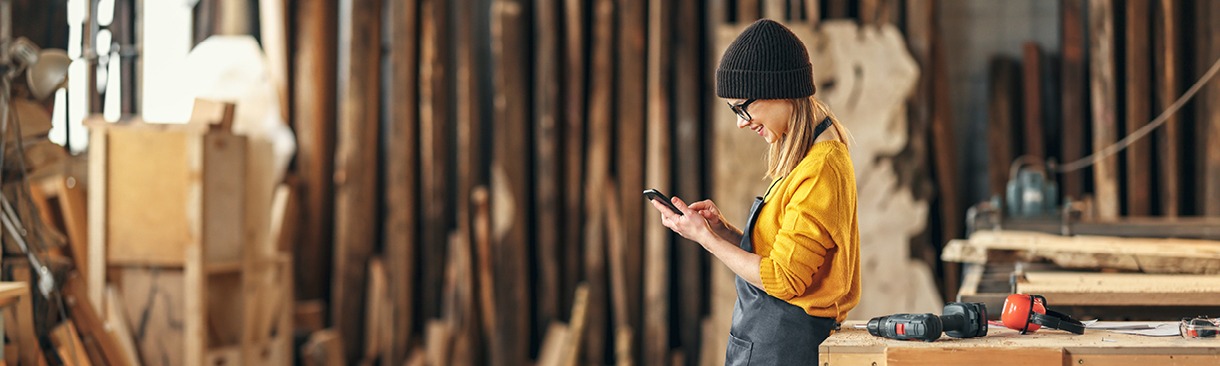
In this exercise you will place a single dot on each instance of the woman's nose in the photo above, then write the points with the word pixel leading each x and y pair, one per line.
pixel 742 122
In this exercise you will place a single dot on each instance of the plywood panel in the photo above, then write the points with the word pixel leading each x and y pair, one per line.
pixel 155 302
pixel 147 201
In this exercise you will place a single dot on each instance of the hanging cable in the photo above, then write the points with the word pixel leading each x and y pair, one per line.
pixel 1142 131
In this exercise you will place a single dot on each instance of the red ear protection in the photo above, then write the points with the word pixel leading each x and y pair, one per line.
pixel 1028 313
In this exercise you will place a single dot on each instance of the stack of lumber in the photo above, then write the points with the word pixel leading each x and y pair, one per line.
pixel 1094 270
pixel 513 141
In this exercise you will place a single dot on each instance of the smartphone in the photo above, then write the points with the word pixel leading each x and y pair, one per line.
pixel 656 195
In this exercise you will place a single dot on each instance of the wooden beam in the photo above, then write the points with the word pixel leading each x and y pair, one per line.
pixel 1209 115
pixel 574 145
pixel 813 11
pixel 402 174
pixel 547 162
pixel 1031 76
pixel 355 166
pixel 510 182
pixel 90 324
pixel 485 267
pixel 1166 60
pixel 1122 289
pixel 838 9
pixel 689 155
pixel 747 11
pixel 1073 102
pixel 434 156
pixel 1002 112
pixel 314 110
pixel 1104 104
pixel 98 153
pixel 1090 252
pixel 775 10
pixel 655 332
pixel 1139 106
pixel 274 26
pixel 616 252
pixel 597 168
pixel 630 120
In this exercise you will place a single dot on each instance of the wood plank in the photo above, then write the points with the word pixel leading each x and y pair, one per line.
pixel 775 9
pixel 314 122
pixel 689 154
pixel 654 337
pixel 747 11
pixel 119 325
pixel 1166 60
pixel 547 163
pixel 376 314
pixel 510 183
pixel 1075 89
pixel 1104 104
pixel 575 71
pixel 485 267
pixel 1139 106
pixel 1121 289
pixel 19 318
pixel 324 348
pixel 577 326
pixel 69 346
pixel 356 161
pixel 1209 114
pixel 89 323
pixel 460 302
pixel 813 11
pixel 439 347
pixel 1091 252
pixel 630 117
pixel 274 28
pixel 401 178
pixel 1031 76
pixel 98 152
pixel 616 252
pixel 596 171
pixel 838 9
pixel 436 214
pixel 1001 114
pixel 553 345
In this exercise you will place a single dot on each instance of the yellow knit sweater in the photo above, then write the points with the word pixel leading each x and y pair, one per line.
pixel 808 235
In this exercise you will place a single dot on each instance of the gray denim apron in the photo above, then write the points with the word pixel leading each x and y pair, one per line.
pixel 767 330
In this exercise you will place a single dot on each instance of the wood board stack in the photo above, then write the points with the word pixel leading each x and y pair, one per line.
pixel 1127 276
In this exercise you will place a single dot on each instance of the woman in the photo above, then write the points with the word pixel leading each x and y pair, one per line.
pixel 798 259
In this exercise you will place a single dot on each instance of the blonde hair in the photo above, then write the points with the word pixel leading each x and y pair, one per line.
pixel 784 155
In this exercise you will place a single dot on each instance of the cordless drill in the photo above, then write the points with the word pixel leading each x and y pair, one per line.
pixel 958 320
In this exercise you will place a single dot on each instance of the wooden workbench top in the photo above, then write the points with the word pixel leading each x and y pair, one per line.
pixel 1003 346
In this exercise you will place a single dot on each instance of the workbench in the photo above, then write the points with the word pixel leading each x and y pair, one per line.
pixel 1003 346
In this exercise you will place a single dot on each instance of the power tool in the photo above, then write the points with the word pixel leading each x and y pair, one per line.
pixel 958 320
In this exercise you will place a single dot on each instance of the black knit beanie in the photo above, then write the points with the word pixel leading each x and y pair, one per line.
pixel 767 61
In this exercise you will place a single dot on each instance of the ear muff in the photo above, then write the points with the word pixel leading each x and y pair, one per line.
pixel 1028 313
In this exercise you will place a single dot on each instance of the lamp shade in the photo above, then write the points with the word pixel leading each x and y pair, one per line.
pixel 49 73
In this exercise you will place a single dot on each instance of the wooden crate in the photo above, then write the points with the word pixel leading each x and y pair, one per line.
pixel 171 225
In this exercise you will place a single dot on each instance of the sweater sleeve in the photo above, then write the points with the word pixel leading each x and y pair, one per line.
pixel 803 240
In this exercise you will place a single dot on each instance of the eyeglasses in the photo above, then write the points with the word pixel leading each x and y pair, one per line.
pixel 740 109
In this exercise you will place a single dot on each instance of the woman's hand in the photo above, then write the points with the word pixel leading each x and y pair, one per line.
pixel 691 224
pixel 715 219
